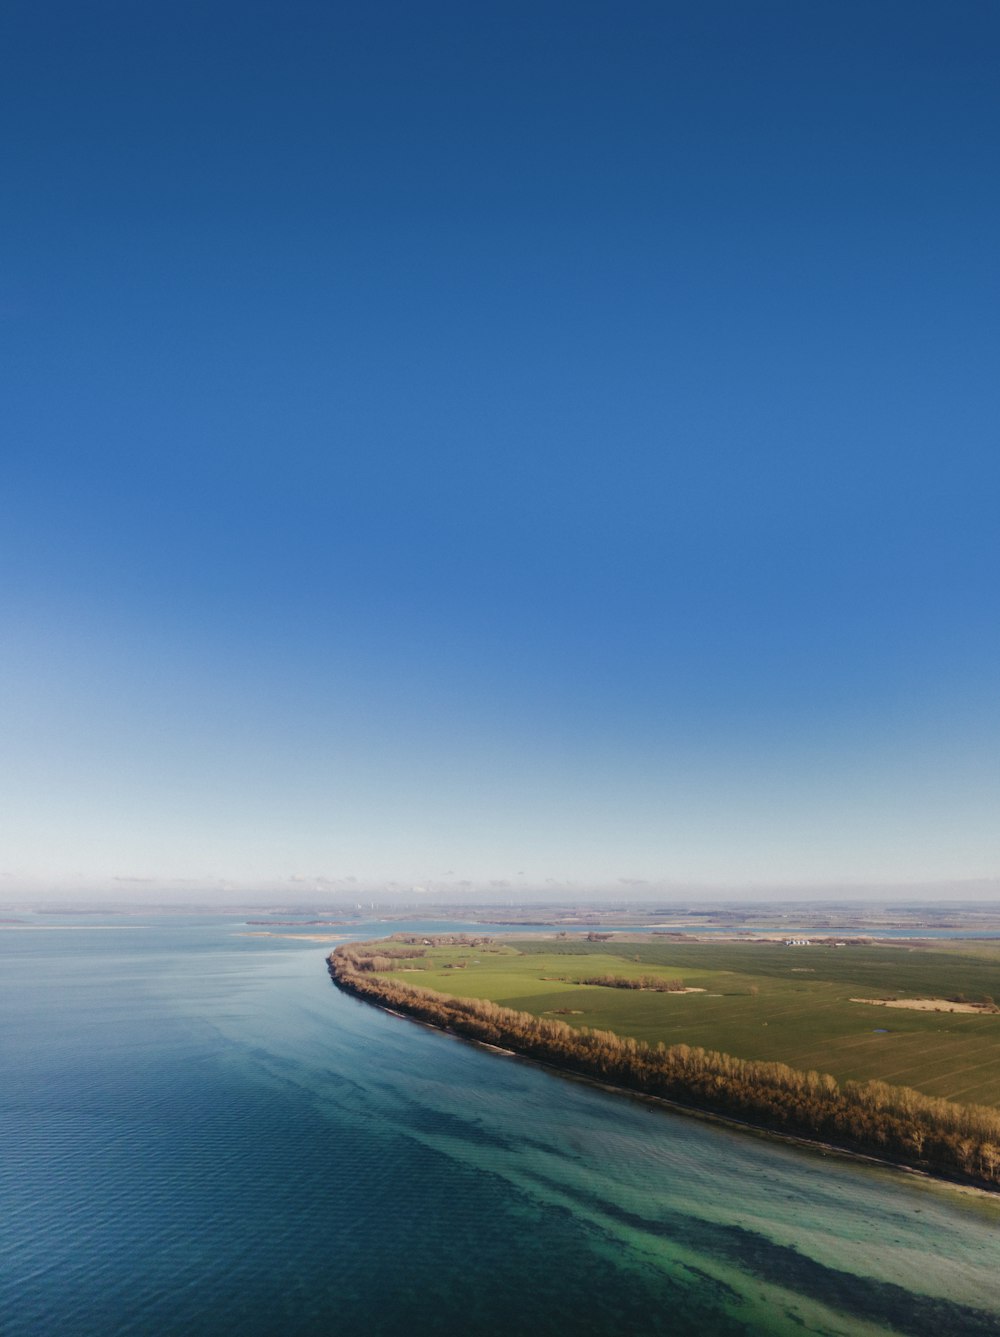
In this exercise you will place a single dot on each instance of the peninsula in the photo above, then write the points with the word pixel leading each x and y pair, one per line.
pixel 895 1123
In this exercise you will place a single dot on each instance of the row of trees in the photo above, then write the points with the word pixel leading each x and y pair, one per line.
pixel 893 1122
pixel 444 940
pixel 652 983
pixel 378 956
pixel 985 1001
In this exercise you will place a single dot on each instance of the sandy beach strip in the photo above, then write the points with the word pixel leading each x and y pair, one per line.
pixel 295 937
pixel 925 1004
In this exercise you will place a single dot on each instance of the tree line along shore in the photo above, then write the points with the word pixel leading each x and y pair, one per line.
pixel 893 1123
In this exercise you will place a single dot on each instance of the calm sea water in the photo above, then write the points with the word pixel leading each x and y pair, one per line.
pixel 201 1135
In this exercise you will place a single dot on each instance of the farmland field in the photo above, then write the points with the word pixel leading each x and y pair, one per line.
pixel 759 1001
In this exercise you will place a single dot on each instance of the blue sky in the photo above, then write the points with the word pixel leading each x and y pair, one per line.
pixel 548 444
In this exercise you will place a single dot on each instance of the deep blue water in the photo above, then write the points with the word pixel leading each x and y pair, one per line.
pixel 201 1135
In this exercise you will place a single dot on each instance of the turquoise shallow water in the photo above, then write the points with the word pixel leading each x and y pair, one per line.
pixel 201 1135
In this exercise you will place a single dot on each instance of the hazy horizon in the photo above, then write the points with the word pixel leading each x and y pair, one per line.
pixel 305 894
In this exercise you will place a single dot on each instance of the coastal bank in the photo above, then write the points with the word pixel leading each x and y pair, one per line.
pixel 890 1123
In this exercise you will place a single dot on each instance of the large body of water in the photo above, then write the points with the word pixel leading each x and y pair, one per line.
pixel 201 1135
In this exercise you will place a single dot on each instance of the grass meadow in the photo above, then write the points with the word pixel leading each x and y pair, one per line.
pixel 760 1001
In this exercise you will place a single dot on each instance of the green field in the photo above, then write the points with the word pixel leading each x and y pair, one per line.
pixel 760 1001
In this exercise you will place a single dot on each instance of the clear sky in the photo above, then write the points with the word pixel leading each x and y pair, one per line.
pixel 538 443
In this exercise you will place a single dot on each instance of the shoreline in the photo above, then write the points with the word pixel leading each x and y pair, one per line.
pixel 689 1111
pixel 962 1182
